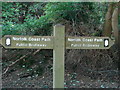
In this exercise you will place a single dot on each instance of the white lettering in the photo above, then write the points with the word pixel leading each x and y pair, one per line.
pixel 98 40
pixel 38 39
pixel 75 45
pixel 34 39
pixel 21 44
pixel 87 40
pixel 36 45
pixel 19 38
pixel 45 39
pixel 74 39
pixel 90 45
pixel 85 45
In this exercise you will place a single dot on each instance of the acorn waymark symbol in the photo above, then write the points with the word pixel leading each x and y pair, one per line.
pixel 8 41
pixel 106 42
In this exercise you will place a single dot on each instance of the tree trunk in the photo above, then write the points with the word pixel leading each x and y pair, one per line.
pixel 119 23
pixel 107 25
pixel 115 25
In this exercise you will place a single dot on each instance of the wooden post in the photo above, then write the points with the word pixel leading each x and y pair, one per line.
pixel 58 56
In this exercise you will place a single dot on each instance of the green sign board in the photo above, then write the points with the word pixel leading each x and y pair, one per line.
pixel 35 42
pixel 58 43
pixel 46 42
pixel 88 42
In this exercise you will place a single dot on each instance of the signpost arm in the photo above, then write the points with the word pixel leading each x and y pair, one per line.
pixel 58 56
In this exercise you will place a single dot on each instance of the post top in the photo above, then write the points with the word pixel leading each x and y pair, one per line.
pixel 59 25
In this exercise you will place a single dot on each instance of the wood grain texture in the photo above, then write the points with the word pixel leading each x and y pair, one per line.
pixel 58 56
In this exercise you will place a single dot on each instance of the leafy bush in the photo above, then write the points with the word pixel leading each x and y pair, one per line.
pixel 22 19
pixel 37 18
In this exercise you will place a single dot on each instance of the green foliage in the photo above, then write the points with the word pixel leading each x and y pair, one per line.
pixel 98 13
pixel 98 33
pixel 24 19
pixel 32 18
pixel 10 11
pixel 69 11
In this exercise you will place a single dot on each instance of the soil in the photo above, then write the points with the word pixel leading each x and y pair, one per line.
pixel 72 80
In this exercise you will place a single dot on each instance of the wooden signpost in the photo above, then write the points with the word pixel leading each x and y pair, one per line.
pixel 58 43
